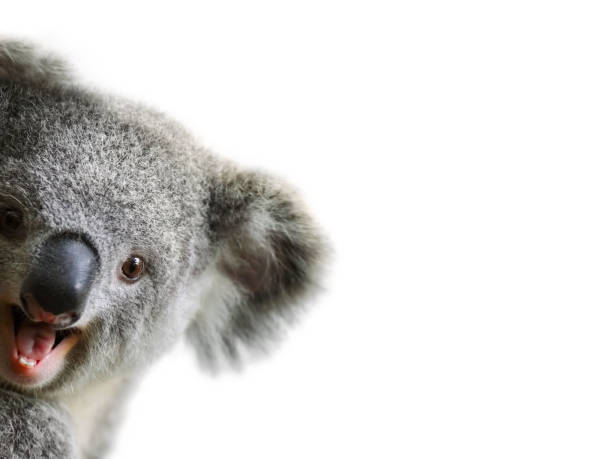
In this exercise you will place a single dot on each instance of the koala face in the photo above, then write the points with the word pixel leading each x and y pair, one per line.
pixel 101 225
pixel 119 234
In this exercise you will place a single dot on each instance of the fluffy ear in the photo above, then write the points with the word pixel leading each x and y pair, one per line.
pixel 268 254
pixel 26 64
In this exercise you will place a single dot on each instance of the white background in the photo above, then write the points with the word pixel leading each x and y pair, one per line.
pixel 458 153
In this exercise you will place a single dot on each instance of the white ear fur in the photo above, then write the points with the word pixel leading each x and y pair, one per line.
pixel 265 266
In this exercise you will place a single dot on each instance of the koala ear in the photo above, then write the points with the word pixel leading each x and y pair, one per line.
pixel 24 63
pixel 267 257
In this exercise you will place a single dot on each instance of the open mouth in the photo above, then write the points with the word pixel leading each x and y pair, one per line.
pixel 34 341
pixel 36 350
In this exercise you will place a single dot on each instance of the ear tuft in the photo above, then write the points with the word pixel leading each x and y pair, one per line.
pixel 269 258
pixel 27 64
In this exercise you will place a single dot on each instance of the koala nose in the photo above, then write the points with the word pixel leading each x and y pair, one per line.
pixel 57 287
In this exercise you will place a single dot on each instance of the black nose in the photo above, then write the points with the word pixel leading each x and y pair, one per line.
pixel 57 287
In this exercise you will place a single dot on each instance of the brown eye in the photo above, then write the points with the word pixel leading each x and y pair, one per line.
pixel 11 222
pixel 132 268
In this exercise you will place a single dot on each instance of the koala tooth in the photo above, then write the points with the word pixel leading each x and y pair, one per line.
pixel 24 361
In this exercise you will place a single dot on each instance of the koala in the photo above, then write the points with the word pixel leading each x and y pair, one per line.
pixel 119 235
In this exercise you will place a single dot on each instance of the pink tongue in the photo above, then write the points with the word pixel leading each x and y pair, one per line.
pixel 35 340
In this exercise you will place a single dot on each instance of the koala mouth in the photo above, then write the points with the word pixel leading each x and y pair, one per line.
pixel 35 341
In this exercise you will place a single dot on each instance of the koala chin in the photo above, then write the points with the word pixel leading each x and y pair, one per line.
pixel 119 235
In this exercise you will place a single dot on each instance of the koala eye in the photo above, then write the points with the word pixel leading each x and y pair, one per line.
pixel 132 268
pixel 11 221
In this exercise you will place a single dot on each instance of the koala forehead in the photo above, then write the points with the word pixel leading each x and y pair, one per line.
pixel 121 173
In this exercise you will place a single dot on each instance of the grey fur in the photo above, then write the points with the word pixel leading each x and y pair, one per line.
pixel 32 428
pixel 230 254
pixel 27 64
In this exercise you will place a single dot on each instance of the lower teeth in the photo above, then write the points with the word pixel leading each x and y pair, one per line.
pixel 24 361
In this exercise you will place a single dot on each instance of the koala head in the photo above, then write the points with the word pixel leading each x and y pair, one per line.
pixel 119 234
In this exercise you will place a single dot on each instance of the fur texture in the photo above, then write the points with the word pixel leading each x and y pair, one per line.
pixel 229 254
pixel 33 428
